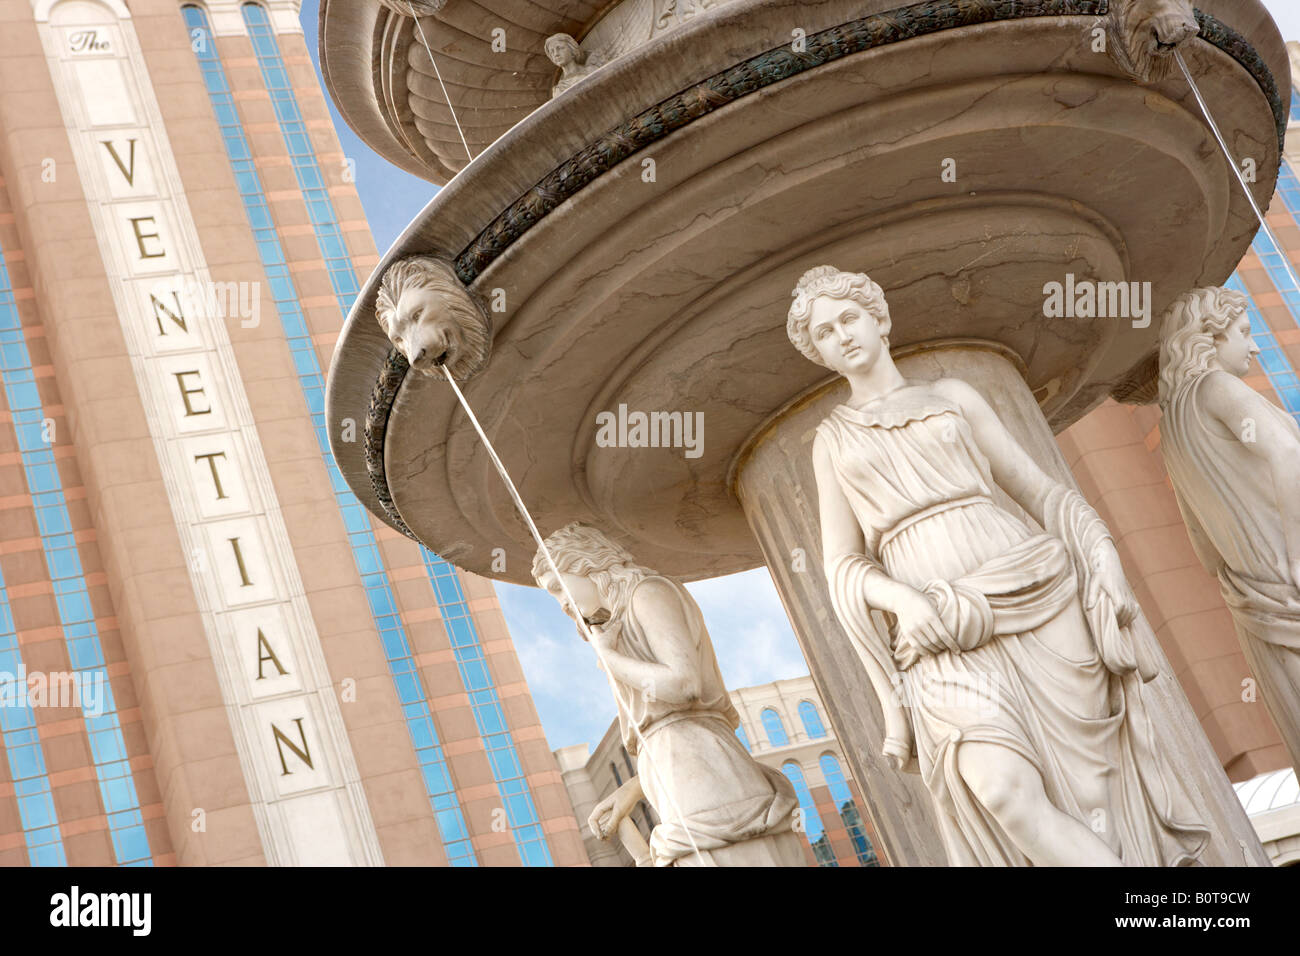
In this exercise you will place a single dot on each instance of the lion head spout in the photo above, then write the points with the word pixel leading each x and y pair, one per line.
pixel 1143 35
pixel 432 319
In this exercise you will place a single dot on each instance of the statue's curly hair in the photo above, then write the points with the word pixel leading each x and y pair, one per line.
pixel 588 552
pixel 828 280
pixel 460 307
pixel 1187 335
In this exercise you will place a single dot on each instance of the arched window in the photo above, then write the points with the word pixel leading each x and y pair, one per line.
pixel 812 820
pixel 618 778
pixel 744 738
pixel 812 722
pixel 843 798
pixel 775 728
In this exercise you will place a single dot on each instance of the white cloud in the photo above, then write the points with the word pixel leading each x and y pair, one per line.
pixel 1287 15
pixel 570 692
pixel 750 631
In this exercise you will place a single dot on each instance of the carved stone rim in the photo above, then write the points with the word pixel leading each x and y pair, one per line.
pixel 619 375
pixel 814 392
pixel 856 36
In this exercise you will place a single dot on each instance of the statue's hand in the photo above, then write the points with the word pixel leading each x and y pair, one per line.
pixel 1108 576
pixel 606 815
pixel 604 637
pixel 919 624
pixel 905 653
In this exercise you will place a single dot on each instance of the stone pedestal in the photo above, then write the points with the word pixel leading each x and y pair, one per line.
pixel 773 478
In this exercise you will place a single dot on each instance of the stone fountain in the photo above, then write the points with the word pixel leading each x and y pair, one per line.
pixel 632 241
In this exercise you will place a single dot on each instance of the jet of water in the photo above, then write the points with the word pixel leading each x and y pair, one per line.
pixel 1245 188
pixel 581 621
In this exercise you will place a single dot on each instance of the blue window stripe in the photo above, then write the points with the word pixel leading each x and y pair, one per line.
pixel 397 649
pixel 1274 259
pixel 1277 369
pixel 302 157
pixel 1288 186
pixel 22 746
pixel 521 811
pixel 812 820
pixel 848 809
pixel 107 747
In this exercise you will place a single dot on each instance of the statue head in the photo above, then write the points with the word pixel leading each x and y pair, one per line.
pixel 431 318
pixel 563 50
pixel 1205 329
pixel 839 319
pixel 599 572
pixel 1143 34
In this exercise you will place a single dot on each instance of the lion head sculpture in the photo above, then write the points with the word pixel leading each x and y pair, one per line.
pixel 1143 35
pixel 432 319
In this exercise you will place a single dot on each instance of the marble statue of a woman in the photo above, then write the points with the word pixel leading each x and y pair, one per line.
pixel 674 712
pixel 1234 459
pixel 1023 708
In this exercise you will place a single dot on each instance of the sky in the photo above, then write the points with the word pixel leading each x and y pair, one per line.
pixel 750 631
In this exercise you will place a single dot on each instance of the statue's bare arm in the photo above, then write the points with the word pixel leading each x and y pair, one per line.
pixel 1202 546
pixel 605 815
pixel 1029 486
pixel 1241 411
pixel 1013 470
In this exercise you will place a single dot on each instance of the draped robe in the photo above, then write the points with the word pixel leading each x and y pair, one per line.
pixel 1228 497
pixel 1029 667
pixel 693 768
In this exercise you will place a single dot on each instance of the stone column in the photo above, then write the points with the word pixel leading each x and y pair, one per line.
pixel 773 479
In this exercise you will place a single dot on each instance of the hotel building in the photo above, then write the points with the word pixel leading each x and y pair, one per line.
pixel 782 725
pixel 252 670
pixel 210 653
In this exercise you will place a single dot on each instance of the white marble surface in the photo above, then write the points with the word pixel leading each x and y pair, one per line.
pixel 1002 650
pixel 1234 459
pixel 717 806
pixel 777 486
pixel 662 295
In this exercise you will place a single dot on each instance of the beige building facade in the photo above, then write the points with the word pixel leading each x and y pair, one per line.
pixel 783 725
pixel 249 668
pixel 210 653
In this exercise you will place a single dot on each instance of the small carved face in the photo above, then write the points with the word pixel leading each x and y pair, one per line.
pixel 1236 347
pixel 562 50
pixel 584 592
pixel 846 335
